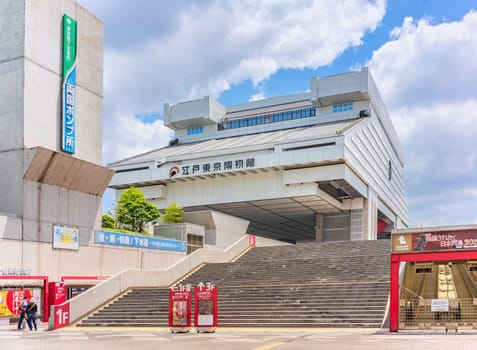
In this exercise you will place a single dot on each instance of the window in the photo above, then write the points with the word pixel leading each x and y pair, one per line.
pixel 194 242
pixel 270 118
pixel 195 130
pixel 342 107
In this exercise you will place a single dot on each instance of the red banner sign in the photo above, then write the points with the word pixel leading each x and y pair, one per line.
pixel 180 305
pixel 205 307
pixel 434 241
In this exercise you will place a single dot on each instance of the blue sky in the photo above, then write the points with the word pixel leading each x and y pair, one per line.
pixel 422 54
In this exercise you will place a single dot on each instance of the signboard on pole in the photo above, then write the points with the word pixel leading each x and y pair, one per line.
pixel 205 307
pixel 180 306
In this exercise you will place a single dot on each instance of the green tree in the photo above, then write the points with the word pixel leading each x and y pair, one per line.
pixel 133 211
pixel 173 213
pixel 108 221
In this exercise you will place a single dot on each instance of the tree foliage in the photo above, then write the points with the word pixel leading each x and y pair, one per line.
pixel 108 221
pixel 174 213
pixel 133 211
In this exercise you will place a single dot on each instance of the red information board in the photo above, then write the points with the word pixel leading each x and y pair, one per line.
pixel 205 307
pixel 180 305
pixel 57 293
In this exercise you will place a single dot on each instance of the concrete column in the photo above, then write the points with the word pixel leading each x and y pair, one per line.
pixel 357 219
pixel 319 227
pixel 370 216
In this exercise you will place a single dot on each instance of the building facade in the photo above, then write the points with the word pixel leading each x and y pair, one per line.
pixel 324 165
pixel 52 179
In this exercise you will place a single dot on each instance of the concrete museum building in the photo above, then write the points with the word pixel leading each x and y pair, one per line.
pixel 324 165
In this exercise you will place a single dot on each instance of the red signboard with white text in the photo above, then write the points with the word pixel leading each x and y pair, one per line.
pixel 180 304
pixel 57 293
pixel 205 307
pixel 61 315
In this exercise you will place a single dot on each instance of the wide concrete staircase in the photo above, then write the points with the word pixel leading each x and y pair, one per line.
pixel 332 284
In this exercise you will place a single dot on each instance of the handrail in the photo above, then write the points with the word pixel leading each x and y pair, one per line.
pixel 106 290
pixel 469 281
pixel 410 291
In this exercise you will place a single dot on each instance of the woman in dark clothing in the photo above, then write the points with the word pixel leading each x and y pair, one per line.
pixel 31 310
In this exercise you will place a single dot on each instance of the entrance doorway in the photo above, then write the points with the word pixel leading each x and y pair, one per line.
pixel 434 280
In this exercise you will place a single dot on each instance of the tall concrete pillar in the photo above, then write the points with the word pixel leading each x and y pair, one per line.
pixel 370 216
pixel 319 219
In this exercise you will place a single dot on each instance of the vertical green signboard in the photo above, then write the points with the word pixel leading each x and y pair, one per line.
pixel 69 85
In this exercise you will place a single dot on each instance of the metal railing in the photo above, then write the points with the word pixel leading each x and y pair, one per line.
pixel 418 314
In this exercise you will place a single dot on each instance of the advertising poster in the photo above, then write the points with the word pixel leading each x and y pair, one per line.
pixel 179 313
pixel 205 315
pixel 180 305
pixel 206 307
pixel 451 240
pixel 434 241
pixel 65 237
pixel 10 301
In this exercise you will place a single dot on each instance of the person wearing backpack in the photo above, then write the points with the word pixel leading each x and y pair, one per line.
pixel 31 310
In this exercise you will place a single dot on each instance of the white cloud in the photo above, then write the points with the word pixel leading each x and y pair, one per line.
pixel 426 75
pixel 228 42
pixel 428 64
pixel 207 46
pixel 130 136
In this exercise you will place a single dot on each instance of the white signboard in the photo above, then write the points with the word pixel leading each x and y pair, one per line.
pixel 65 237
pixel 440 305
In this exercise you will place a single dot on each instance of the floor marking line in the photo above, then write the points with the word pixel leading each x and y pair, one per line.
pixel 270 346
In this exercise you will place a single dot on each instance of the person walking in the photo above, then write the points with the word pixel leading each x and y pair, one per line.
pixel 31 310
pixel 23 306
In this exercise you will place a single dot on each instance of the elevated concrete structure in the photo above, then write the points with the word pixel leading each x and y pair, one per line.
pixel 324 165
pixel 42 186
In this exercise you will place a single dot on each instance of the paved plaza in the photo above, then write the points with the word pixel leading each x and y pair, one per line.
pixel 229 339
